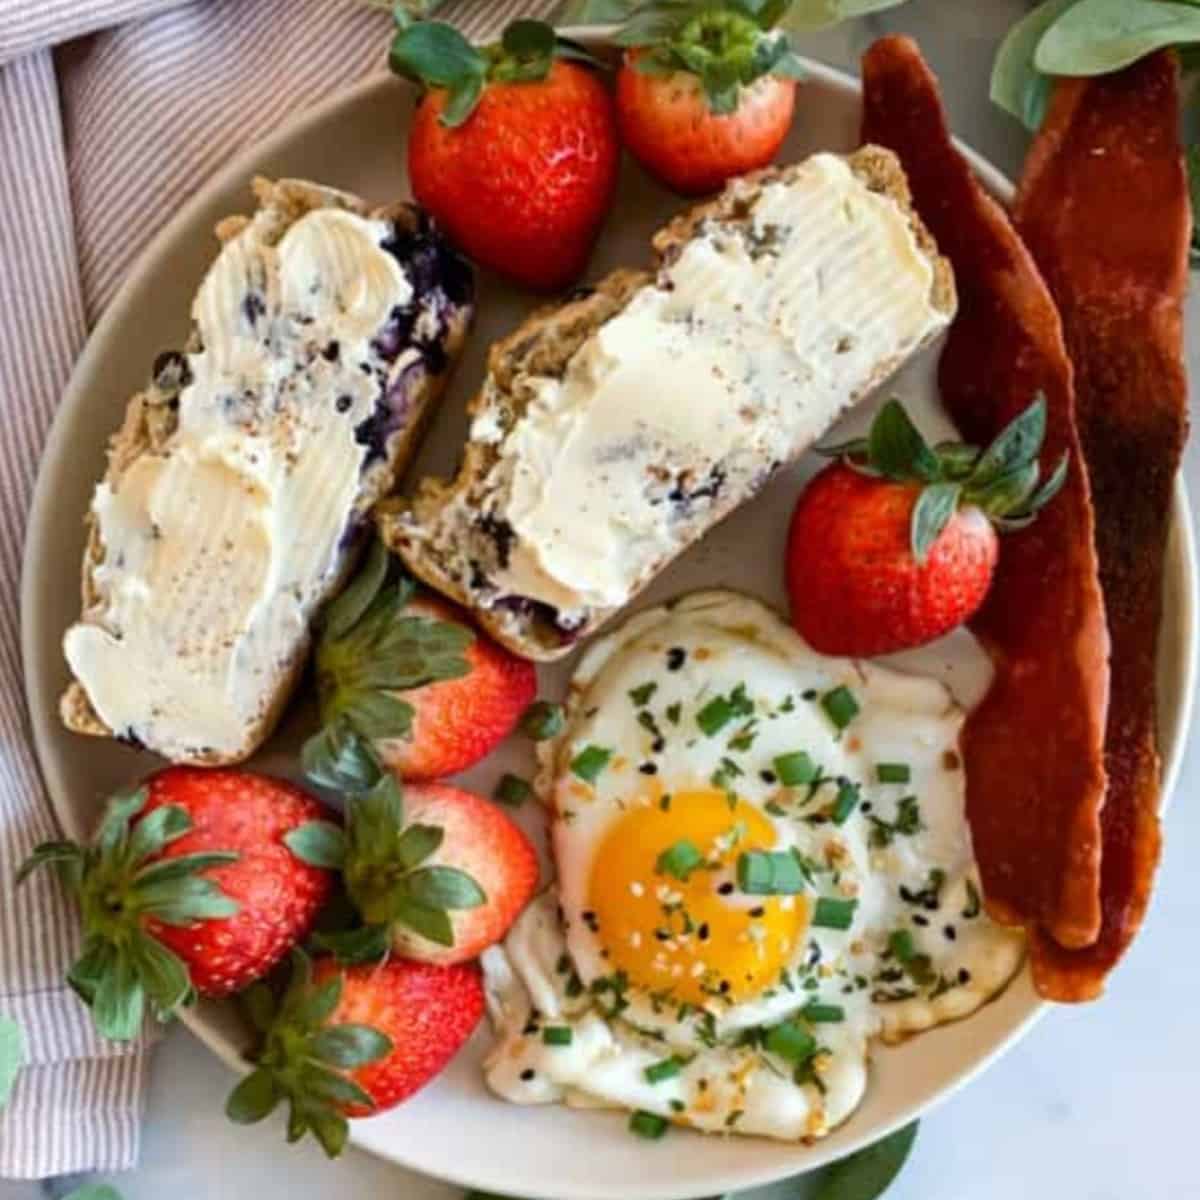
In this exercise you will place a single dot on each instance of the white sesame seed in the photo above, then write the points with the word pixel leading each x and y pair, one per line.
pixel 637 889
pixel 635 939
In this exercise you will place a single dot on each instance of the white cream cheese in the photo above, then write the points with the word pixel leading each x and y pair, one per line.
pixel 219 548
pixel 740 355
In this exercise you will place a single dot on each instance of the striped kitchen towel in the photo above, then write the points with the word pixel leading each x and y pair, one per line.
pixel 112 112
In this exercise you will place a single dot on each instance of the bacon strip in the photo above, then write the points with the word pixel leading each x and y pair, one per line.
pixel 1033 750
pixel 1103 206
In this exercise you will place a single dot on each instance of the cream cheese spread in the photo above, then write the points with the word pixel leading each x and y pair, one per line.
pixel 218 548
pixel 743 352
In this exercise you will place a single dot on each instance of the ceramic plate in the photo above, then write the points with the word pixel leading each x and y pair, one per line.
pixel 455 1129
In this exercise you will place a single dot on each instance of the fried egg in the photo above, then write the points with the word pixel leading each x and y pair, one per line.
pixel 763 864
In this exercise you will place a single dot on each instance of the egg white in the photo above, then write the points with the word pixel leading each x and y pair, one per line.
pixel 918 884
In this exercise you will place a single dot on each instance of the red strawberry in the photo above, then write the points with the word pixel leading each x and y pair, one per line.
pixel 513 150
pixel 188 887
pixel 707 93
pixel 458 722
pixel 351 1041
pixel 896 545
pixel 404 680
pixel 439 883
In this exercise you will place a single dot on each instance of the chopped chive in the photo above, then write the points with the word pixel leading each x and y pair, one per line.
pixel 715 715
pixel 846 803
pixel 901 945
pixel 673 711
pixel 775 809
pixel 974 901
pixel 788 705
pixel 641 695
pixel 664 802
pixel 831 913
pixel 590 761
pixel 679 860
pixel 823 1014
pixel 790 1042
pixel 769 873
pixel 840 706
pixel 512 790
pixel 891 772
pixel 795 768
pixel 744 738
pixel 667 1068
pixel 542 720
pixel 557 1035
pixel 647 1125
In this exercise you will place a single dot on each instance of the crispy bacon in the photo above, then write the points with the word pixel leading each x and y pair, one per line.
pixel 1103 206
pixel 1033 750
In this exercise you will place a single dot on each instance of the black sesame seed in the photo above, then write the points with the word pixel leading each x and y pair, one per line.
pixel 964 976
pixel 702 932
pixel 950 932
pixel 527 1074
pixel 768 777
pixel 343 403
pixel 676 657
pixel 865 806
pixel 723 987
pixel 758 911
pixel 809 694
pixel 931 903
pixel 726 889
pixel 658 745
pixel 331 352
pixel 918 919
pixel 649 768
pixel 662 935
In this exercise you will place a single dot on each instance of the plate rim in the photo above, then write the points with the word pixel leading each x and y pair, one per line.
pixel 56 446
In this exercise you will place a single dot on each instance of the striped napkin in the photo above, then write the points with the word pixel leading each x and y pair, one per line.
pixel 112 113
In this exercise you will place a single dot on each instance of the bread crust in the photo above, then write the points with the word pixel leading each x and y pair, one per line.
pixel 545 342
pixel 150 420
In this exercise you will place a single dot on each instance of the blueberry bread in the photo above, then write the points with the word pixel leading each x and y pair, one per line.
pixel 240 487
pixel 613 432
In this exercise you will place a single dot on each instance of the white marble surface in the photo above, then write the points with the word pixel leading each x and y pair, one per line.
pixel 1096 1104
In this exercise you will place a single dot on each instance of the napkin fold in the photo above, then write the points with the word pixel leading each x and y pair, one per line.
pixel 102 139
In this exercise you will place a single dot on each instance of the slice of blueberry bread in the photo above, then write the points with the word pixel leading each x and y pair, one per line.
pixel 239 489
pixel 612 433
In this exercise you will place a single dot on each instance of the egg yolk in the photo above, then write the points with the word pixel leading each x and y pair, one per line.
pixel 699 936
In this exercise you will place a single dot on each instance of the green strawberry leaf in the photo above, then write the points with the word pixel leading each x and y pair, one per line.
pixel 182 901
pixel 543 720
pixel 254 1098
pixel 315 1004
pixel 185 864
pixel 462 101
pixel 331 1087
pixel 162 973
pixel 259 1004
pixel 435 54
pixel 445 887
pixel 318 843
pixel 337 758
pixel 114 825
pixel 1094 37
pixel 935 506
pixel 379 716
pixel 347 610
pixel 58 854
pixel 350 1046
pixel 803 16
pixel 331 1129
pixel 156 830
pixel 1017 86
pixel 119 1002
pixel 1008 493
pixel 1017 444
pixel 867 1174
pixel 368 944
pixel 12 1056
pixel 431 923
pixel 95 960
pixel 417 843
pixel 896 449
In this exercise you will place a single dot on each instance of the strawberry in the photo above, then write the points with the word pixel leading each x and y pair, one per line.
pixel 350 1041
pixel 405 675
pixel 513 147
pixel 441 888
pixel 895 545
pixel 188 887
pixel 705 91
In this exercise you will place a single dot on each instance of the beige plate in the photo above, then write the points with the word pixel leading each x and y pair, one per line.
pixel 455 1129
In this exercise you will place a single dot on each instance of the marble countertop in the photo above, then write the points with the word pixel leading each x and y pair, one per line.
pixel 1095 1104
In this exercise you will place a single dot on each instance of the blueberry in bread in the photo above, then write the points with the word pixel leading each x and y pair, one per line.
pixel 613 432
pixel 239 488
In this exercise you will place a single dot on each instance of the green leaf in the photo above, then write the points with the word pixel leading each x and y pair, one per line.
pixel 12 1056
pixel 1016 445
pixel 435 54
pixel 316 1006
pixel 445 887
pixel 183 901
pixel 368 944
pixel 254 1098
pixel 93 1191
pixel 58 853
pixel 1009 492
pixel 183 865
pixel 936 504
pixel 868 1173
pixel 318 843
pixel 1095 37
pixel 431 923
pixel 806 15
pixel 119 1002
pixel 529 39
pixel 896 449
pixel 379 715
pixel 347 610
pixel 350 1046
pixel 461 102
pixel 330 1128
pixel 156 830
pixel 331 1087
pixel 114 826
pixel 417 843
pixel 259 1003
pixel 95 960
pixel 1017 86
pixel 337 758
pixel 543 720
pixel 161 972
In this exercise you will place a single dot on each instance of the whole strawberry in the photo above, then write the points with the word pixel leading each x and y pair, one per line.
pixel 351 1041
pixel 513 147
pixel 706 90
pixel 407 676
pixel 188 887
pixel 436 874
pixel 895 545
